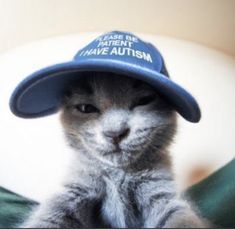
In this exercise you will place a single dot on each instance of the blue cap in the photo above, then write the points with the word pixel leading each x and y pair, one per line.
pixel 118 52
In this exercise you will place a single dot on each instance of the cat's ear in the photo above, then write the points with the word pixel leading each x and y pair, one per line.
pixel 141 85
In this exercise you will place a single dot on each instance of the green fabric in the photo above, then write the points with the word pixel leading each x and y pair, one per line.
pixel 214 197
pixel 13 208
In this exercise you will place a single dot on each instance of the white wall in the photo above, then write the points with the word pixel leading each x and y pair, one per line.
pixel 209 22
pixel 33 154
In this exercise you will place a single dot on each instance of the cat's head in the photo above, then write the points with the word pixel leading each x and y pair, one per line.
pixel 115 118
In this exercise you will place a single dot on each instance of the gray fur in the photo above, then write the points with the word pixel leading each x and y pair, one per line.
pixel 124 181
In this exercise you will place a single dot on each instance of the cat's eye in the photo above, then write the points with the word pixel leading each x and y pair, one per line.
pixel 144 100
pixel 86 108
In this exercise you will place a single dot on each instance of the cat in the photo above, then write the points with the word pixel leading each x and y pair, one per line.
pixel 120 129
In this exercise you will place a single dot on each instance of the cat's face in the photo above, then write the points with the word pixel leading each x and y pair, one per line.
pixel 116 118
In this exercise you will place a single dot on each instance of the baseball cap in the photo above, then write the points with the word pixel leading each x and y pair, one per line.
pixel 119 52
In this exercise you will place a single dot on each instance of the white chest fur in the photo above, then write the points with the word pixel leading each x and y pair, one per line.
pixel 118 207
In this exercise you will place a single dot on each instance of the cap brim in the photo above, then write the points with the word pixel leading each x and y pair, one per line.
pixel 40 93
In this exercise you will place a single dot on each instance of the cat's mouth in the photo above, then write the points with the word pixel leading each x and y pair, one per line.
pixel 117 154
pixel 117 150
pixel 125 147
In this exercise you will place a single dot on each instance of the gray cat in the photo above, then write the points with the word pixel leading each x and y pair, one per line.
pixel 120 130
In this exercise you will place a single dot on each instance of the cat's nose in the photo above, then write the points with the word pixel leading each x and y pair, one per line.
pixel 116 136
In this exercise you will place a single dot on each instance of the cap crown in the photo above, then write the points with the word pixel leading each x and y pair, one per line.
pixel 121 46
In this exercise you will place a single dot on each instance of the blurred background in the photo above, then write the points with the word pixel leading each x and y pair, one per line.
pixel 196 38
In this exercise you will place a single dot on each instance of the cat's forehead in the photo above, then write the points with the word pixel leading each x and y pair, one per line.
pixel 108 85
